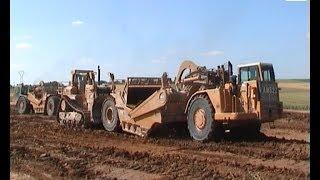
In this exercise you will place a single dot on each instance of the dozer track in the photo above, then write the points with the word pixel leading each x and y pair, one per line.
pixel 71 115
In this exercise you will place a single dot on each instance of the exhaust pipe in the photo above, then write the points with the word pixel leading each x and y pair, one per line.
pixel 98 75
pixel 230 69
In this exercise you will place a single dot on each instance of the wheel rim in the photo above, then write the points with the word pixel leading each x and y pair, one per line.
pixel 21 106
pixel 63 105
pixel 109 115
pixel 199 119
pixel 50 106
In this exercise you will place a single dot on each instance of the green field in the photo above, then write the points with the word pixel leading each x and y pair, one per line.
pixel 295 93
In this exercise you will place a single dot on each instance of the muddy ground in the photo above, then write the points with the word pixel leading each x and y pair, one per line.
pixel 41 149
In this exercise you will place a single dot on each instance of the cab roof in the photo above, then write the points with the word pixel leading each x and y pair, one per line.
pixel 253 64
pixel 76 71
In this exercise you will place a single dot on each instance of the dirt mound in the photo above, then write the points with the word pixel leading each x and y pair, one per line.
pixel 40 148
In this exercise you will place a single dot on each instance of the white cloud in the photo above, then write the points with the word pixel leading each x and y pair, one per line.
pixel 22 38
pixel 77 23
pixel 212 53
pixel 172 51
pixel 161 60
pixel 23 46
pixel 16 66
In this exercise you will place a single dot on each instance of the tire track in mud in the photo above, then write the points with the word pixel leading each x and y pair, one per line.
pixel 79 153
pixel 265 147
pixel 168 164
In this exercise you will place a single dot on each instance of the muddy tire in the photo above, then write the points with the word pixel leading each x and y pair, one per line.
pixel 201 124
pixel 109 115
pixel 52 106
pixel 23 105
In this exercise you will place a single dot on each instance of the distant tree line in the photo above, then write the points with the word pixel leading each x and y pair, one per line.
pixel 116 81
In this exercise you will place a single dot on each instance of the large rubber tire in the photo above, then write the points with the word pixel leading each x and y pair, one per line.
pixel 52 105
pixel 109 115
pixel 207 128
pixel 23 105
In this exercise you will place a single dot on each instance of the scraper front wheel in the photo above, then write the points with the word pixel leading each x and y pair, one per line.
pixel 109 113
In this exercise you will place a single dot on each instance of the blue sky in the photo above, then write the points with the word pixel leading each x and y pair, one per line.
pixel 147 37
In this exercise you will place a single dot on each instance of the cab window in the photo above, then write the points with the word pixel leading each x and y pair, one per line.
pixel 17 90
pixel 79 78
pixel 267 73
pixel 248 73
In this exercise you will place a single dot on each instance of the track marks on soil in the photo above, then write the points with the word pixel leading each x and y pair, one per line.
pixel 39 146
